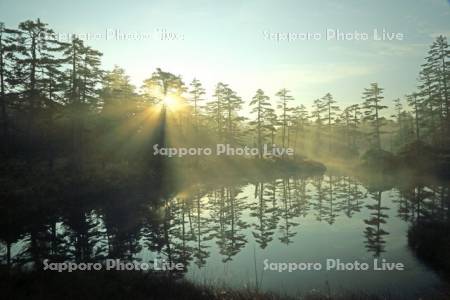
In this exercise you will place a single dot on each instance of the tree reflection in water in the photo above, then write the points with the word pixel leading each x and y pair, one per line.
pixel 186 227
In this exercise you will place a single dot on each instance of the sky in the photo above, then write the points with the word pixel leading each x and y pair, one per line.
pixel 236 42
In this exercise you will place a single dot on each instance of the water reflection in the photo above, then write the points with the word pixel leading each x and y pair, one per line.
pixel 201 224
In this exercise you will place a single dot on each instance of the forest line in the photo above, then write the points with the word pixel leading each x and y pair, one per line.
pixel 56 100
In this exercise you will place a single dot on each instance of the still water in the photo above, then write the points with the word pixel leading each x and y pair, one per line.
pixel 223 235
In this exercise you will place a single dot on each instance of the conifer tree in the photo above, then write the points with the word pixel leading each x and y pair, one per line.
pixel 372 97
pixel 284 99
pixel 197 92
pixel 330 111
pixel 261 104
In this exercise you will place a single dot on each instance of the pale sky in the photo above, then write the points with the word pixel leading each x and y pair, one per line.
pixel 225 41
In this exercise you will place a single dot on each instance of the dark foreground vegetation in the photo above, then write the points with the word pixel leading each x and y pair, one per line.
pixel 430 239
pixel 136 285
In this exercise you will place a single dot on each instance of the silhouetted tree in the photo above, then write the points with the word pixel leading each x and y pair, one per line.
pixel 284 99
pixel 261 105
pixel 372 104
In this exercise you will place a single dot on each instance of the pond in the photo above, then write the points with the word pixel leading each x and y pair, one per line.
pixel 240 235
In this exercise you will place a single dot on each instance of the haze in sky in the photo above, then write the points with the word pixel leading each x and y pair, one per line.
pixel 236 42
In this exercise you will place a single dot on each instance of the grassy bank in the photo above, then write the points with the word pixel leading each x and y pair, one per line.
pixel 137 285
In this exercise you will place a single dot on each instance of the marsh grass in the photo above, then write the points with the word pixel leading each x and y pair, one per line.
pixel 139 285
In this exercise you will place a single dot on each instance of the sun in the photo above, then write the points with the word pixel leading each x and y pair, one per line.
pixel 170 101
